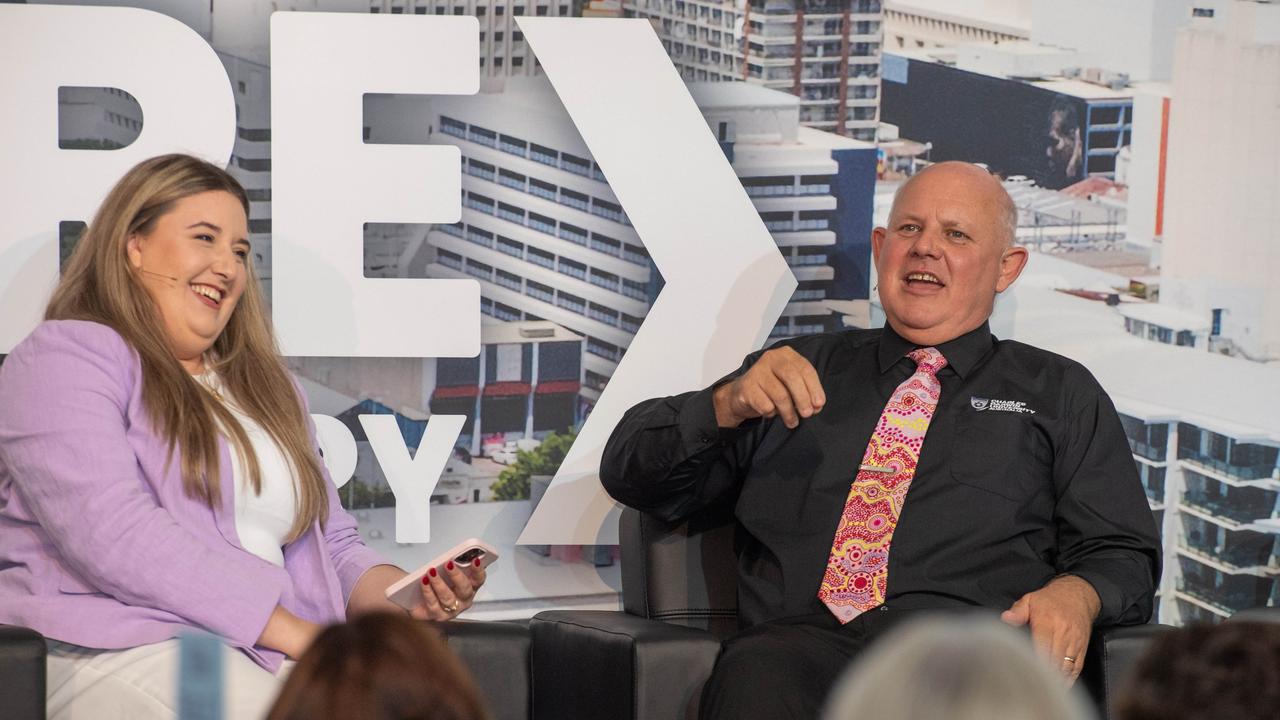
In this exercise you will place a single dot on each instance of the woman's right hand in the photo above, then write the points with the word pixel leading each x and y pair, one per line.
pixel 288 633
pixel 445 594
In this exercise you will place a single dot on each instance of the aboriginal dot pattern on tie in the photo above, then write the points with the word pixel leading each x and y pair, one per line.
pixel 857 572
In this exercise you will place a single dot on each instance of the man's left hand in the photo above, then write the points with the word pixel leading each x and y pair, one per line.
pixel 1061 616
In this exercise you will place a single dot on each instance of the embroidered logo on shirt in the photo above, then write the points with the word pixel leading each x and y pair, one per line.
pixel 1014 406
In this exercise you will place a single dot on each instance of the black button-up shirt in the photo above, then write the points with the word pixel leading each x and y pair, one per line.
pixel 1025 474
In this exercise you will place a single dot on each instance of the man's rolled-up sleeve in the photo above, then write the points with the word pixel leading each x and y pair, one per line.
pixel 1106 532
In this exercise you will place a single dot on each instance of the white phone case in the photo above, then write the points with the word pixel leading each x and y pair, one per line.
pixel 405 592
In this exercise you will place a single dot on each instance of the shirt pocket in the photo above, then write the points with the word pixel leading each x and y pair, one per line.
pixel 1001 453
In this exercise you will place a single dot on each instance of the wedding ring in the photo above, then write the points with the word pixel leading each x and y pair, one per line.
pixel 1070 660
pixel 451 609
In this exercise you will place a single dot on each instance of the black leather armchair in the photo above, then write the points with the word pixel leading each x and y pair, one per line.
pixel 496 653
pixel 679 592
pixel 498 656
pixel 22 673
pixel 649 662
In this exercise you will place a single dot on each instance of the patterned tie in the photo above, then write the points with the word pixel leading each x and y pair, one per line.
pixel 858 570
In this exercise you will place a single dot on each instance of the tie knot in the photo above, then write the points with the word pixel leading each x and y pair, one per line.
pixel 928 359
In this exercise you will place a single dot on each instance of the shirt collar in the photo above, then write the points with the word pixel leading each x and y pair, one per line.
pixel 962 353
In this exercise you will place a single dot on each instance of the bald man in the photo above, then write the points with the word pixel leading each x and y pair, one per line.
pixel 922 467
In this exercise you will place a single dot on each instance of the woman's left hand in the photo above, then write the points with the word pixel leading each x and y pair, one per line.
pixel 447 593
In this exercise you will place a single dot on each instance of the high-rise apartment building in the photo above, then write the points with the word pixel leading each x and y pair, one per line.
pixel 1213 491
pixel 503 50
pixel 825 52
pixel 547 238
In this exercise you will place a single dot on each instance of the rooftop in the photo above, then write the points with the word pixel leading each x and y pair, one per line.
pixel 1072 87
pixel 739 95
pixel 1149 380
pixel 493 332
pixel 1021 47
pixel 1007 16
pixel 821 138
pixel 1055 207
pixel 1083 90
pixel 1165 316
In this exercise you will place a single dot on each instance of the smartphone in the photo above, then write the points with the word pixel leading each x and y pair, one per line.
pixel 405 593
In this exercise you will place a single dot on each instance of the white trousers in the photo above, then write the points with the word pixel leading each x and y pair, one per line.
pixel 142 682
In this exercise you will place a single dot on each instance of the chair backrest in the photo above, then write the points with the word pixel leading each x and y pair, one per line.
pixel 683 573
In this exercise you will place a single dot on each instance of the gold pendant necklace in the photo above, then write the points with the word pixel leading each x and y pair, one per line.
pixel 209 381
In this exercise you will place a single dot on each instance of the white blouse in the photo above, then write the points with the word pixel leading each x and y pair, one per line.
pixel 263 520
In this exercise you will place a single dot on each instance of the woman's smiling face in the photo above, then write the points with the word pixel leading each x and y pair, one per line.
pixel 194 264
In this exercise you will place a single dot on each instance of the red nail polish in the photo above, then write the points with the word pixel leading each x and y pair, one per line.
pixel 433 572
pixel 426 580
pixel 477 562
pixel 449 566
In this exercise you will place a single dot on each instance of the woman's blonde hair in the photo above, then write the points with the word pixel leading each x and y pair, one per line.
pixel 99 284
pixel 954 668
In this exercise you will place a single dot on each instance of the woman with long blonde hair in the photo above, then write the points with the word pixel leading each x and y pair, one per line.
pixel 159 471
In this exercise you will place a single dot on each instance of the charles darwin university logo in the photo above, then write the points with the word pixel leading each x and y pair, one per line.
pixel 1014 406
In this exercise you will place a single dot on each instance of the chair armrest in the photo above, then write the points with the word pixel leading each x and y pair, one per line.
pixel 1112 654
pixel 22 673
pixel 592 665
pixel 497 654
pixel 1257 614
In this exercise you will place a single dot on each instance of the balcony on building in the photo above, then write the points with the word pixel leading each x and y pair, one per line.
pixel 1233 506
pixel 1149 441
pixel 1242 551
pixel 1153 484
pixel 1227 459
pixel 1220 593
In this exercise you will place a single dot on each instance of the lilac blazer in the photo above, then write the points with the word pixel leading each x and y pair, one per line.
pixel 100 546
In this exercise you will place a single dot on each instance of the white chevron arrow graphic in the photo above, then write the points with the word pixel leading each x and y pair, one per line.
pixel 726 282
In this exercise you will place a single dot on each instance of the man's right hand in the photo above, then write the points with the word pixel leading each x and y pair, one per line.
pixel 781 383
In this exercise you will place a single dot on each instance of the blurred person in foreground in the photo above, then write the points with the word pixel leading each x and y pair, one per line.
pixel 1023 497
pixel 159 469
pixel 379 667
pixel 953 668
pixel 1229 671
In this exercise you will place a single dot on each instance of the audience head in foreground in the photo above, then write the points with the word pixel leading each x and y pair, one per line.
pixel 380 666
pixel 956 668
pixel 1229 672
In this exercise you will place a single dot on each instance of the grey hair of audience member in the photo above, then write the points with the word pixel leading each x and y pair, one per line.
pixel 956 668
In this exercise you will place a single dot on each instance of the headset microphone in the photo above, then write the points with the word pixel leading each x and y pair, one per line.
pixel 159 275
